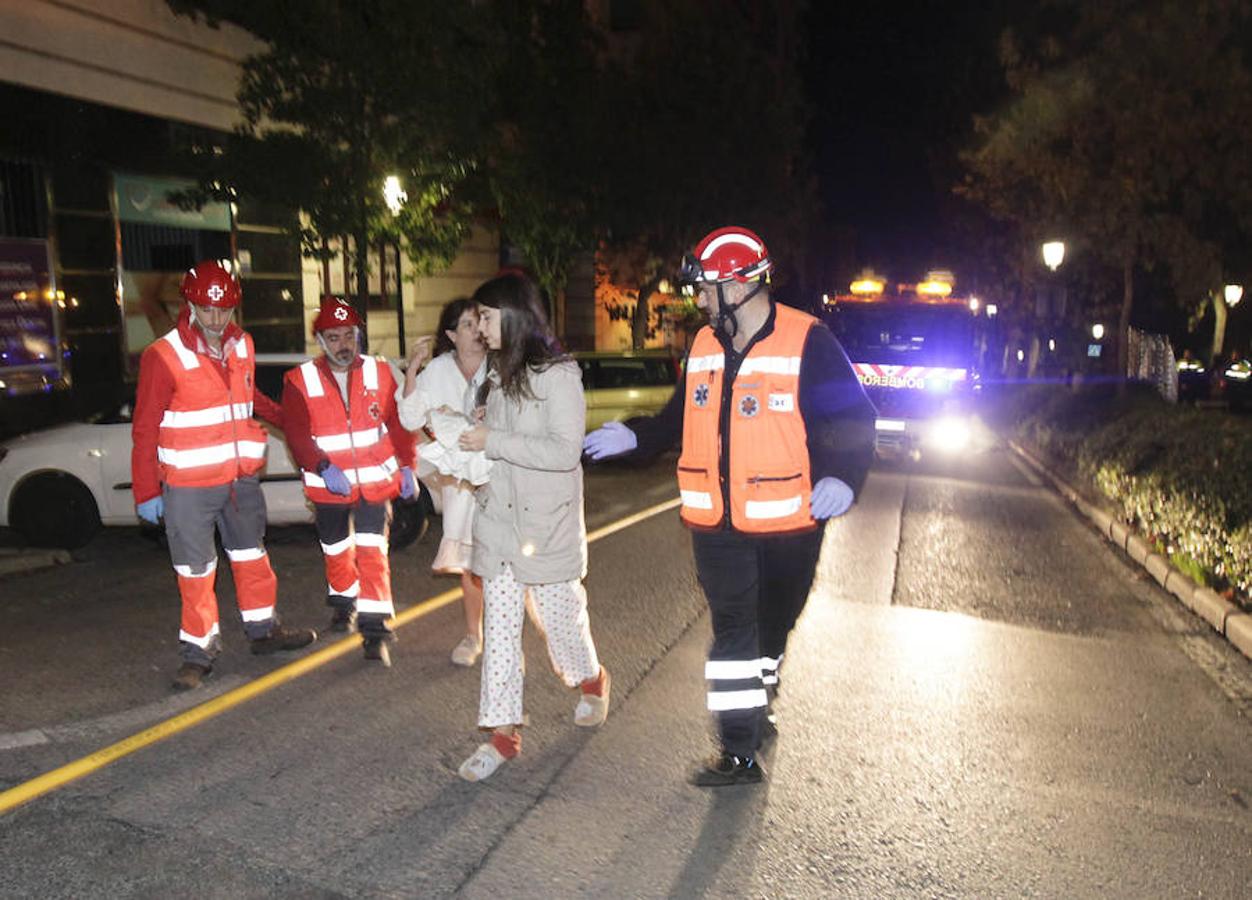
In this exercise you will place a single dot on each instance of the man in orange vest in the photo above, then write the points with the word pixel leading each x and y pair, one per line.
pixel 194 463
pixel 777 436
pixel 345 434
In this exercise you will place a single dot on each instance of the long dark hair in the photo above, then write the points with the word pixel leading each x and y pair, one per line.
pixel 526 338
pixel 449 316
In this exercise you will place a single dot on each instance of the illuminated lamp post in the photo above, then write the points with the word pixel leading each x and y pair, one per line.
pixel 1231 295
pixel 395 197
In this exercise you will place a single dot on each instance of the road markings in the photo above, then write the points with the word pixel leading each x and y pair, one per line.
pixel 58 778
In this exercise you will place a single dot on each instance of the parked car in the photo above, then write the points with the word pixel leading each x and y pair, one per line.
pixel 625 383
pixel 58 486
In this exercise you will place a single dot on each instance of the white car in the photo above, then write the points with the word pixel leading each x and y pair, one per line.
pixel 59 485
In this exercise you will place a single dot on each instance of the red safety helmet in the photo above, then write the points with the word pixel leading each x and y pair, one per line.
pixel 335 313
pixel 727 254
pixel 209 283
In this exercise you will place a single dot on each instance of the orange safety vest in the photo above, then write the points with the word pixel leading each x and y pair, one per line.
pixel 769 483
pixel 356 438
pixel 208 436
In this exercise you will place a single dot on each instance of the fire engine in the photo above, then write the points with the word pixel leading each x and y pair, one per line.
pixel 914 350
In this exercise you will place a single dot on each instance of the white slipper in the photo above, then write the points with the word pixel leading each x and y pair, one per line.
pixel 466 652
pixel 481 764
pixel 592 710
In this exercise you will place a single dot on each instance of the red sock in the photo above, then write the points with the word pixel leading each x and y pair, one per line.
pixel 507 745
pixel 594 686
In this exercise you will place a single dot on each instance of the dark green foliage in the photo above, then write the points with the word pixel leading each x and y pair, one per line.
pixel 1182 476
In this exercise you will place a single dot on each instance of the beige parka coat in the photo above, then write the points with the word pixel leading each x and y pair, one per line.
pixel 530 512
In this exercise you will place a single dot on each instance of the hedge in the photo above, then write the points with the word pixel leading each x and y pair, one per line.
pixel 1181 476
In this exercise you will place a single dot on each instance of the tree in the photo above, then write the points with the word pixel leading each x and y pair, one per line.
pixel 710 131
pixel 549 125
pixel 344 95
pixel 1118 139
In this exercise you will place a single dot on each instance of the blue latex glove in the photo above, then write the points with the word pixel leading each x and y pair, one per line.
pixel 610 439
pixel 152 510
pixel 336 481
pixel 407 487
pixel 831 497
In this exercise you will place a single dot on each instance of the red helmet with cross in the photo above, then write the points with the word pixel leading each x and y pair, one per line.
pixel 335 313
pixel 733 253
pixel 209 283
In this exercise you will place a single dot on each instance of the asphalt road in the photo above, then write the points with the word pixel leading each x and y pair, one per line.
pixel 982 699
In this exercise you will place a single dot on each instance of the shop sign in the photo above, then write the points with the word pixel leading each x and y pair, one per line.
pixel 29 339
pixel 146 200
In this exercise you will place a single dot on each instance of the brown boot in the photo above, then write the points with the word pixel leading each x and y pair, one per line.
pixel 283 638
pixel 190 676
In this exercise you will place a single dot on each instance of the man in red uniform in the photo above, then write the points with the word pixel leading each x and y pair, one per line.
pixel 194 463
pixel 344 432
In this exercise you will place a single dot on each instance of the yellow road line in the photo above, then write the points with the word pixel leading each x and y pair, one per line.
pixel 57 778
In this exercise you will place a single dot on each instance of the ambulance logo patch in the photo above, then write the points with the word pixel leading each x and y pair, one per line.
pixel 375 412
pixel 701 395
pixel 782 403
pixel 341 314
pixel 749 406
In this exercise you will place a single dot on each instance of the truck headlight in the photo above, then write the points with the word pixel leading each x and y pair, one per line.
pixel 950 433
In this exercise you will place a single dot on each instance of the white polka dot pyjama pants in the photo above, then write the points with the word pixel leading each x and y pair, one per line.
pixel 560 611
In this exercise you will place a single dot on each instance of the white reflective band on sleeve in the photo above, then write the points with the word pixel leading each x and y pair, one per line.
pixel 369 373
pixel 251 449
pixel 185 356
pixel 201 642
pixel 727 669
pixel 706 363
pixel 697 499
pixel 312 381
pixel 246 555
pixel 770 365
pixel 771 509
pixel 312 479
pixel 257 615
pixel 720 701
pixel 375 606
pixel 350 591
pixel 338 547
pixel 186 571
pixel 367 539
pixel 241 348
pixel 769 678
pixel 769 664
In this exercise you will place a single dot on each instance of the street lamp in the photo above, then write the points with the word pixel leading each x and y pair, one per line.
pixel 1053 254
pixel 1233 294
pixel 393 194
pixel 1097 331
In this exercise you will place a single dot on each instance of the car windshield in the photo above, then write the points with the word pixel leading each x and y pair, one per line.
pixel 911 336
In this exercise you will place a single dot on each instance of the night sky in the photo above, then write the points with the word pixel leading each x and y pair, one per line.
pixel 894 87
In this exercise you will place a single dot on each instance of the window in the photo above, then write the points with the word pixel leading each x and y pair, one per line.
pixel 23 200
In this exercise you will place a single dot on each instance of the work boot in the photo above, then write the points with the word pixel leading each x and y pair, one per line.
pixel 190 676
pixel 283 638
pixel 376 651
pixel 343 620
pixel 724 769
pixel 769 725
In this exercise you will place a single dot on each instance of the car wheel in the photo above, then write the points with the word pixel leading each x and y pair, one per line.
pixel 411 518
pixel 55 510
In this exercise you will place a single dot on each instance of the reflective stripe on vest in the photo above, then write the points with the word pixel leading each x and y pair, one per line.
pixel 769 481
pixel 207 434
pixel 353 437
